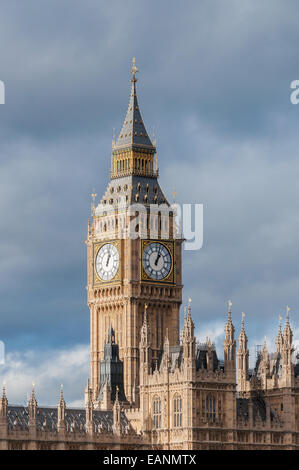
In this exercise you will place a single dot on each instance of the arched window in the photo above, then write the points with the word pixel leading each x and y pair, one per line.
pixel 177 411
pixel 157 415
pixel 210 407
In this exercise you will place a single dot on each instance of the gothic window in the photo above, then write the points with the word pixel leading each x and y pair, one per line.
pixel 177 411
pixel 210 408
pixel 157 415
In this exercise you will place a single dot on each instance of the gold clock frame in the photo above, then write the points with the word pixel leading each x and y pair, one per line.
pixel 171 277
pixel 96 248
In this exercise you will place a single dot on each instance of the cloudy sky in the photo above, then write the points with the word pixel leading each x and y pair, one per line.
pixel 214 83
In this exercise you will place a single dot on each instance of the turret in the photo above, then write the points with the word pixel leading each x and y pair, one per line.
pixel 106 403
pixel 61 412
pixel 243 358
pixel 229 343
pixel 116 415
pixel 279 338
pixel 145 344
pixel 3 417
pixel 3 405
pixel 265 365
pixel 188 338
pixel 287 351
pixel 32 408
pixel 89 411
pixel 32 411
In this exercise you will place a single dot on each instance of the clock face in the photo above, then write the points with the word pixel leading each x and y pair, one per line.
pixel 107 262
pixel 156 261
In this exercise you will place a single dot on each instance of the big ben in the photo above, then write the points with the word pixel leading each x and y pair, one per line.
pixel 130 272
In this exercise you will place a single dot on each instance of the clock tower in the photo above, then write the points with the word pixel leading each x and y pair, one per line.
pixel 134 256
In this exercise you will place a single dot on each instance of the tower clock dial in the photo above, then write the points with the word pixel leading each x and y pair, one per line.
pixel 156 261
pixel 107 262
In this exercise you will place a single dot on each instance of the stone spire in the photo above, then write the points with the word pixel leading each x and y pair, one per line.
pixel 89 411
pixel 279 338
pixel 145 329
pixel 287 349
pixel 287 333
pixel 265 350
pixel 116 415
pixel 32 411
pixel 146 354
pixel 61 411
pixel 32 405
pixel 188 338
pixel 229 341
pixel 188 329
pixel 265 365
pixel 243 340
pixel 3 404
pixel 133 132
pixel 243 359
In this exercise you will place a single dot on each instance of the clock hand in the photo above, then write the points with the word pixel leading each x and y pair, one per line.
pixel 108 258
pixel 158 257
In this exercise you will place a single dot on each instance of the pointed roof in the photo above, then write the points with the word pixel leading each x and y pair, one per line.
pixel 133 133
pixel 242 336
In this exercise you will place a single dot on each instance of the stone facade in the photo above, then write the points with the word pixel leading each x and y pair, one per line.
pixel 150 386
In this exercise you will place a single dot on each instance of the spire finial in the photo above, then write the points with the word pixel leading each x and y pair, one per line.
pixel 287 310
pixel 229 308
pixel 3 390
pixel 243 316
pixel 134 70
pixel 279 322
pixel 93 197
pixel 174 195
pixel 116 393
pixel 189 306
